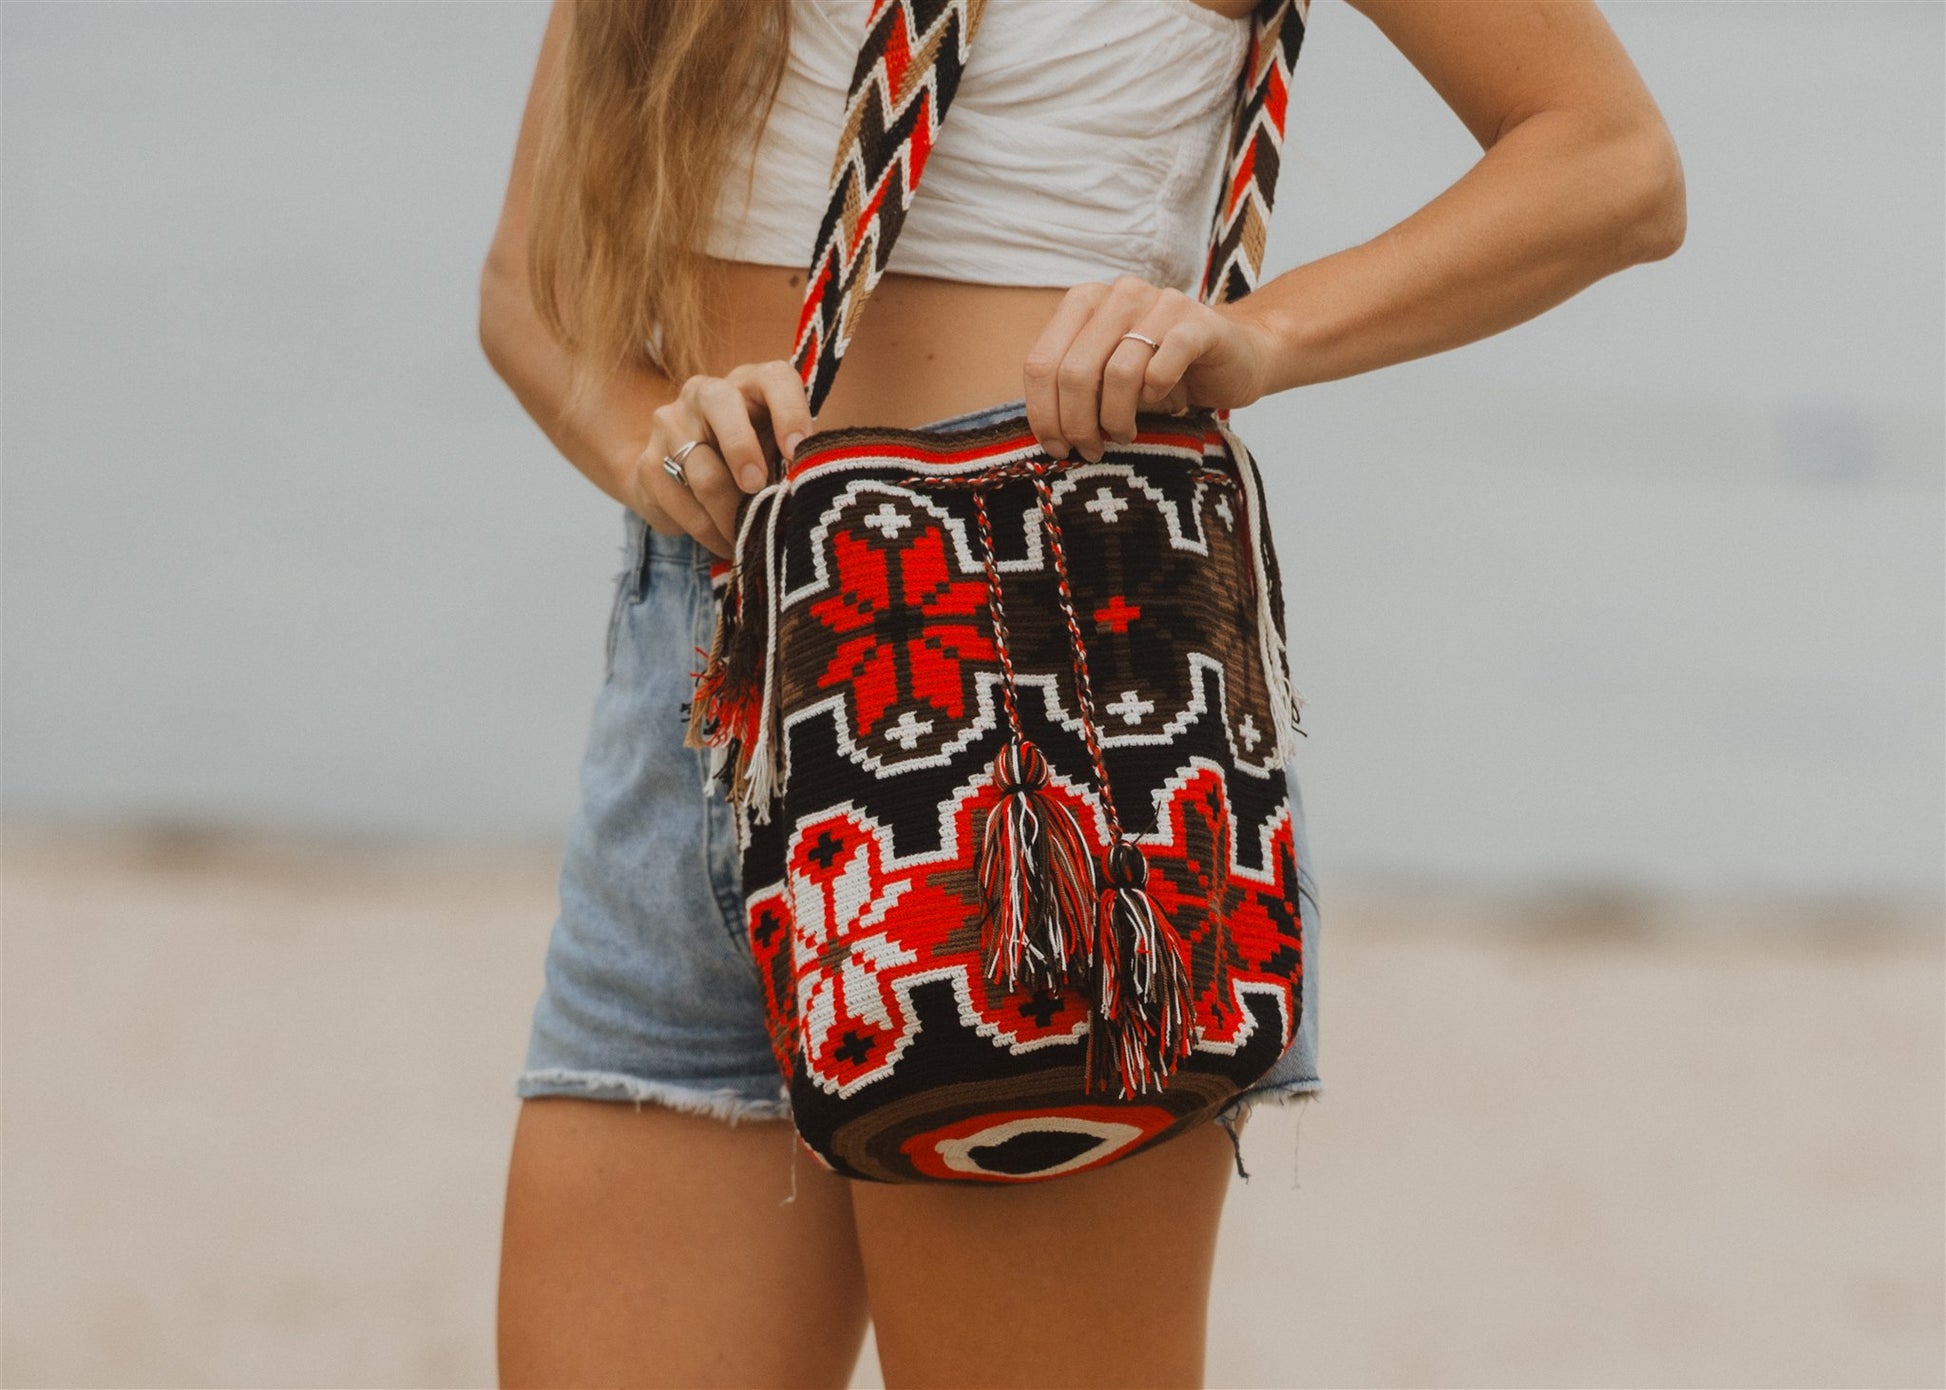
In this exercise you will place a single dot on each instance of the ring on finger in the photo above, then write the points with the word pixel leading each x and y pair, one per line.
pixel 1142 338
pixel 672 465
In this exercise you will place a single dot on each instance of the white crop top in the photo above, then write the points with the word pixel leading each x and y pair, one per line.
pixel 1085 142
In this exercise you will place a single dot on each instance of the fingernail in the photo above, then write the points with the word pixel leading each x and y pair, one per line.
pixel 791 441
pixel 753 478
pixel 1054 448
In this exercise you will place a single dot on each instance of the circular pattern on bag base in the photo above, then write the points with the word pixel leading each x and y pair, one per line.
pixel 959 1133
pixel 1031 1144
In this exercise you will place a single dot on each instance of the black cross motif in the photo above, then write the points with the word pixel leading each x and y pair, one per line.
pixel 767 927
pixel 1042 1007
pixel 826 851
pixel 854 1048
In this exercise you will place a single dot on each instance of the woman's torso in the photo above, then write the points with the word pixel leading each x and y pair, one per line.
pixel 1065 107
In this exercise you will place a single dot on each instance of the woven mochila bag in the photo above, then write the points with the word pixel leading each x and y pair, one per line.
pixel 1005 734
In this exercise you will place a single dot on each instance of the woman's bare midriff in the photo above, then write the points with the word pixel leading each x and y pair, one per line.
pixel 925 349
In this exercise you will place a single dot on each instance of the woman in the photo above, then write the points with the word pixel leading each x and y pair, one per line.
pixel 646 1242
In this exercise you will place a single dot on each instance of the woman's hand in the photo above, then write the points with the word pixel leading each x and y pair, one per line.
pixel 741 424
pixel 1086 380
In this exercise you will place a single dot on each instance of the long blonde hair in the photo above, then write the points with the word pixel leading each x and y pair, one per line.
pixel 649 100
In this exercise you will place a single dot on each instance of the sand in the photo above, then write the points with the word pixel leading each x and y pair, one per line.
pixel 257 1101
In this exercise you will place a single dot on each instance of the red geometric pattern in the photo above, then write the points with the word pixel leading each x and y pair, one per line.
pixel 905 631
pixel 868 912
pixel 851 958
pixel 849 948
pixel 1240 926
pixel 856 926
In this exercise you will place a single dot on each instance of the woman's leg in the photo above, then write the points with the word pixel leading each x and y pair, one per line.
pixel 646 1243
pixel 1100 1278
pixel 648 1246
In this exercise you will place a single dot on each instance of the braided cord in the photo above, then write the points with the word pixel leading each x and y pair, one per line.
pixel 1084 695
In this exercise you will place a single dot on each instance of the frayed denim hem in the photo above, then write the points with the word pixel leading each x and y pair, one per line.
pixel 1233 1114
pixel 722 1103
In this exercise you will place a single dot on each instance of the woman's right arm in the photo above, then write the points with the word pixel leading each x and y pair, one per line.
pixel 638 416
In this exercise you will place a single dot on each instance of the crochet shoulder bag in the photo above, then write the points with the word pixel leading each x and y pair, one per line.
pixel 1005 734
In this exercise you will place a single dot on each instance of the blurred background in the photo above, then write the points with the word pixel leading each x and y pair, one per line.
pixel 1622 634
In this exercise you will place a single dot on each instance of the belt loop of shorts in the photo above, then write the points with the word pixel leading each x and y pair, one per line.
pixel 679 549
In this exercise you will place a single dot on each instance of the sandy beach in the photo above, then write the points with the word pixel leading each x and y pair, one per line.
pixel 257 1100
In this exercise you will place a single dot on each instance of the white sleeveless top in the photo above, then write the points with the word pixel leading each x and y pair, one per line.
pixel 1085 142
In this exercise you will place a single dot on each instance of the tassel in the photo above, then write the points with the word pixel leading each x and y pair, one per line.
pixel 1036 880
pixel 723 711
pixel 729 711
pixel 1140 1022
pixel 760 770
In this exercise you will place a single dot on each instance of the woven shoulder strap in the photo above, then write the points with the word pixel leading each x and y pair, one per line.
pixel 907 74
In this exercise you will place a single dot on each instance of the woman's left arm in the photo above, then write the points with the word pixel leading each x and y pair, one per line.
pixel 1580 178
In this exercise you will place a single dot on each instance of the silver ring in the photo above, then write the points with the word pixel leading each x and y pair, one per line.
pixel 672 465
pixel 1153 344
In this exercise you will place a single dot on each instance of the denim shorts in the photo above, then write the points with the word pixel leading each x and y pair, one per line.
pixel 651 993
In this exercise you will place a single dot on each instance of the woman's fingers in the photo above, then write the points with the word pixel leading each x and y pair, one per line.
pixel 658 519
pixel 1131 367
pixel 1042 370
pixel 722 408
pixel 706 482
pixel 1180 347
pixel 1087 379
pixel 682 505
pixel 666 505
pixel 729 430
pixel 703 474
pixel 1083 370
pixel 735 451
pixel 775 393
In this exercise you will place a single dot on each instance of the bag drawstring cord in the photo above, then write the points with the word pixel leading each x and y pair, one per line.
pixel 1036 878
pixel 1140 1023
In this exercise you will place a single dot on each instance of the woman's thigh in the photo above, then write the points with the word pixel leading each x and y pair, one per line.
pixel 1099 1278
pixel 648 1238
pixel 650 1246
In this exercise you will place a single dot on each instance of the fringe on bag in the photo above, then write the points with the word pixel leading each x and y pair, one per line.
pixel 734 710
pixel 1036 880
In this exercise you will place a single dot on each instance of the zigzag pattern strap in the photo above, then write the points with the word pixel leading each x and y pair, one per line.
pixel 907 74
pixel 1236 252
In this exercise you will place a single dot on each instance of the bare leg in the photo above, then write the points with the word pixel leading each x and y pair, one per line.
pixel 652 1247
pixel 1099 1279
